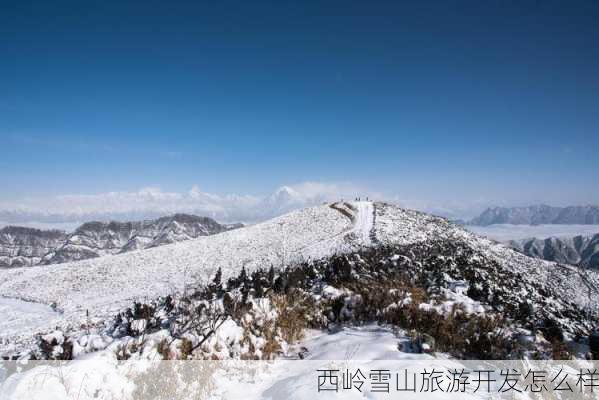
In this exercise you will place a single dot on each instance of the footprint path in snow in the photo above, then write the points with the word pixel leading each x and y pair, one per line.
pixel 363 217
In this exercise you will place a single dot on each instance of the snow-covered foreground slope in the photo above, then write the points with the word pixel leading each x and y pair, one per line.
pixel 19 315
pixel 365 363
pixel 98 375
pixel 368 342
pixel 106 285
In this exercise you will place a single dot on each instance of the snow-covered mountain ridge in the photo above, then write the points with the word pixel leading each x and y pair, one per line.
pixel 20 246
pixel 578 250
pixel 538 214
pixel 25 247
pixel 106 285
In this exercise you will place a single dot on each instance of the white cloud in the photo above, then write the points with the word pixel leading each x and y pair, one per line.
pixel 506 232
pixel 464 210
pixel 152 201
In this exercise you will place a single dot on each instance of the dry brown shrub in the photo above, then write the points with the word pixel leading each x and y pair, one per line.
pixel 294 312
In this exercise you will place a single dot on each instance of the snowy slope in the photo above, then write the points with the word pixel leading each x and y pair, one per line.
pixel 397 226
pixel 109 284
pixel 368 342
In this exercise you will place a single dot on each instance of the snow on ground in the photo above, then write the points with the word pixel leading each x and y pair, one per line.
pixel 506 232
pixel 19 315
pixel 364 220
pixel 395 225
pixel 100 376
pixel 108 284
pixel 368 342
pixel 369 349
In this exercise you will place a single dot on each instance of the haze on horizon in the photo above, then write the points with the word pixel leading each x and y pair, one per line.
pixel 442 107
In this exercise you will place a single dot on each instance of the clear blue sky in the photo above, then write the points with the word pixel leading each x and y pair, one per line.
pixel 439 100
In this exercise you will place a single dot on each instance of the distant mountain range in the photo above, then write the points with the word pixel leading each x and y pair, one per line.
pixel 578 250
pixel 537 215
pixel 21 246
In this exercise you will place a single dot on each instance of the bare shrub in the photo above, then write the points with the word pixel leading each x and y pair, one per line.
pixel 201 321
pixel 186 348
pixel 295 312
pixel 271 347
pixel 163 349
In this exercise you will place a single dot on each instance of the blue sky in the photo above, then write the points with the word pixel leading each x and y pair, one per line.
pixel 444 103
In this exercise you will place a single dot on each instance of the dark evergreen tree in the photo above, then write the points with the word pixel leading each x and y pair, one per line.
pixel 280 284
pixel 217 281
pixel 216 287
pixel 232 283
pixel 244 285
pixel 258 282
pixel 243 276
pixel 168 303
pixel 271 276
